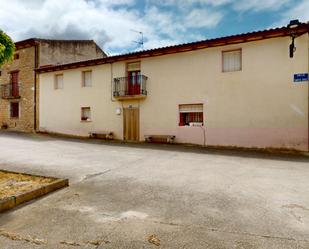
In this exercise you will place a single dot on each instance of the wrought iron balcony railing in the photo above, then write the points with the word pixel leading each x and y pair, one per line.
pixel 130 87
pixel 10 91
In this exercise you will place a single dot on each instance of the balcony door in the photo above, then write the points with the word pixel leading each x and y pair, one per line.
pixel 134 82
pixel 131 124
pixel 14 84
pixel 134 78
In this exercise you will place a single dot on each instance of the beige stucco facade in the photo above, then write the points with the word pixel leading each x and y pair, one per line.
pixel 259 106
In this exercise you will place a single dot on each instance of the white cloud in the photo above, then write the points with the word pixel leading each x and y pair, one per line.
pixel 299 11
pixel 199 18
pixel 109 22
pixel 258 5
pixel 81 20
pixel 113 2
pixel 239 5
pixel 189 2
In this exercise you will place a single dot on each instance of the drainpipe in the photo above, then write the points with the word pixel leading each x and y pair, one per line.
pixel 112 78
pixel 36 55
pixel 308 82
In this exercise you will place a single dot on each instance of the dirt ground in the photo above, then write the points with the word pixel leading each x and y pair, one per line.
pixel 12 184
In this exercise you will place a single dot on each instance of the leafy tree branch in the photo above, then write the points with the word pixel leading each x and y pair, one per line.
pixel 7 48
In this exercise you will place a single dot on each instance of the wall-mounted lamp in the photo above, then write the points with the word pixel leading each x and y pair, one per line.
pixel 292 27
pixel 294 24
pixel 118 111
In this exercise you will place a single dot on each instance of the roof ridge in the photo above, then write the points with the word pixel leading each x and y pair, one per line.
pixel 46 39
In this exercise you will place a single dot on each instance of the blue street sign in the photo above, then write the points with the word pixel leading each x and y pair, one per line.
pixel 299 77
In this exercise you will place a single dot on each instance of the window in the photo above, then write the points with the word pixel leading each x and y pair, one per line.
pixel 14 84
pixel 86 114
pixel 14 109
pixel 191 115
pixel 16 56
pixel 134 66
pixel 59 81
pixel 87 79
pixel 231 60
pixel 134 78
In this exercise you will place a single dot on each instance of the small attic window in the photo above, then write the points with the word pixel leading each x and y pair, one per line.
pixel 231 60
pixel 16 56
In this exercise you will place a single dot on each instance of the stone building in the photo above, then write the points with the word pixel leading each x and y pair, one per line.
pixel 20 84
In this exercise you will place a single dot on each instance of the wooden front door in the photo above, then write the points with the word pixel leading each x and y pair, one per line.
pixel 131 124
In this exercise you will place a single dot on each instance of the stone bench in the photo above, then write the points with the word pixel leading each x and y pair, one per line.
pixel 108 135
pixel 160 138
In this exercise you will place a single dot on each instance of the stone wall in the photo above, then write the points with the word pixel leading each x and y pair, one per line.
pixel 60 52
pixel 25 65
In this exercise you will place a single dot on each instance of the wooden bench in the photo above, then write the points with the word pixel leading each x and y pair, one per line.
pixel 108 135
pixel 160 138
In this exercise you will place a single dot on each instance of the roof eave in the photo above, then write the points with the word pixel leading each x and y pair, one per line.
pixel 223 41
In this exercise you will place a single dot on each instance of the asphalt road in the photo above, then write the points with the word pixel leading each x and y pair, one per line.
pixel 186 197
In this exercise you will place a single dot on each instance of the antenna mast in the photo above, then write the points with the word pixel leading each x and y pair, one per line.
pixel 141 41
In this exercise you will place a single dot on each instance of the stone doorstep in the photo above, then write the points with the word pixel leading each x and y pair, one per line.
pixel 11 202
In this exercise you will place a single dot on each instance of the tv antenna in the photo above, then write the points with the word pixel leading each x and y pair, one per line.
pixel 141 41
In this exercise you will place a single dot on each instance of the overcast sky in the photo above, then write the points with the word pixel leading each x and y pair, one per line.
pixel 164 22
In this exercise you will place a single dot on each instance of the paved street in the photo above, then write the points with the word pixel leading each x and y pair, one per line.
pixel 121 194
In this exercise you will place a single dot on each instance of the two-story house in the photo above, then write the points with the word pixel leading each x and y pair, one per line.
pixel 246 90
pixel 19 84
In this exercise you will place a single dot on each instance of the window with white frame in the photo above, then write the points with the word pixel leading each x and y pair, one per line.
pixel 58 81
pixel 191 115
pixel 231 60
pixel 87 78
pixel 86 114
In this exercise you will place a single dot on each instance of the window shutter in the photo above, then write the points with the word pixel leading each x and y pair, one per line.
pixel 87 78
pixel 191 108
pixel 181 119
pixel 231 61
pixel 190 113
pixel 59 81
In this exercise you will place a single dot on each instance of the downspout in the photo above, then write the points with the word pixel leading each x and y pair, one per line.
pixel 112 79
pixel 36 54
pixel 308 82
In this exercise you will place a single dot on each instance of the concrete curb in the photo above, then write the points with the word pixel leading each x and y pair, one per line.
pixel 11 202
pixel 265 150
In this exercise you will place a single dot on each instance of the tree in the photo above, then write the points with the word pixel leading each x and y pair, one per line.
pixel 7 48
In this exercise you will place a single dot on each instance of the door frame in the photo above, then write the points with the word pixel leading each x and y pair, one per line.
pixel 137 109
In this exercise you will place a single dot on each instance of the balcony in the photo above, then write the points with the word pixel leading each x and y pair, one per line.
pixel 130 87
pixel 10 91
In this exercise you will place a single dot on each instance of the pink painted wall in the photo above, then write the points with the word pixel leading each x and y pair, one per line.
pixel 293 138
pixel 288 138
